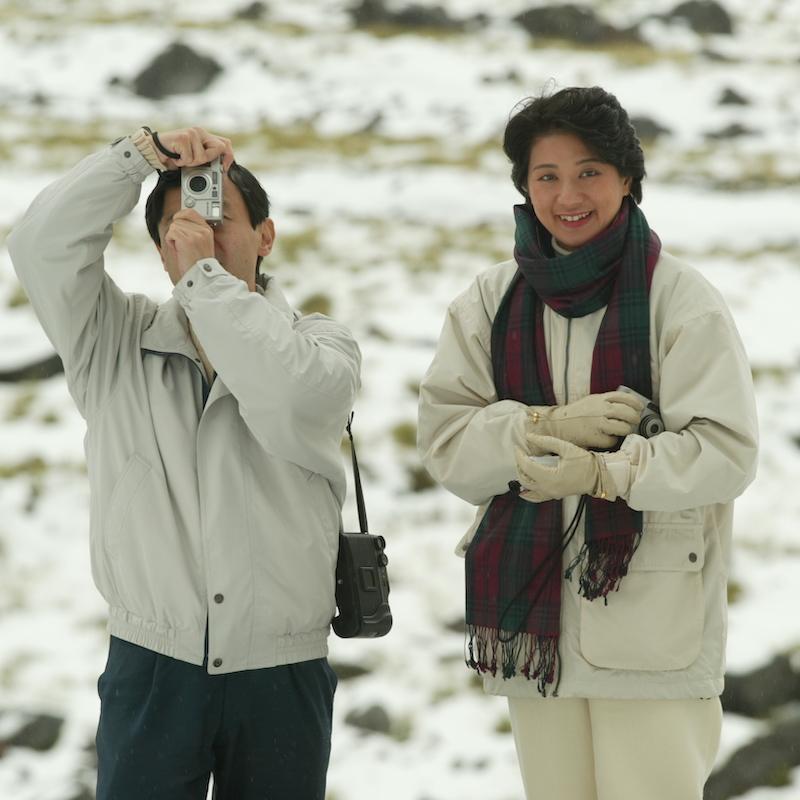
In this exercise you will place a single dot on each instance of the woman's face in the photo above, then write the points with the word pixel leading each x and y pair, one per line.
pixel 575 196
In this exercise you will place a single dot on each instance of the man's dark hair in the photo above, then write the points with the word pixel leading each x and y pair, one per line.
pixel 255 198
pixel 593 115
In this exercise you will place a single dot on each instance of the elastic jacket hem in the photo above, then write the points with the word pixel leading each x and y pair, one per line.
pixel 270 650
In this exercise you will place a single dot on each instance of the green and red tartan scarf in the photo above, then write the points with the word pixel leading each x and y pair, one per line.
pixel 513 565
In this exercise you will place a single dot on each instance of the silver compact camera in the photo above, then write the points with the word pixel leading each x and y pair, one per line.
pixel 201 190
pixel 650 422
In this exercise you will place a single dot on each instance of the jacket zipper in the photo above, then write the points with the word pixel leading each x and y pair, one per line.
pixel 566 360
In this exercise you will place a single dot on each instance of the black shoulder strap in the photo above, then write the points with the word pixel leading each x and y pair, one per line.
pixel 362 509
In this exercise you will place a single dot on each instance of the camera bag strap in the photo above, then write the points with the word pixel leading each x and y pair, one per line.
pixel 362 509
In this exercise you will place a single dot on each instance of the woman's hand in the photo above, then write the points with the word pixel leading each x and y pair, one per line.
pixel 597 420
pixel 576 471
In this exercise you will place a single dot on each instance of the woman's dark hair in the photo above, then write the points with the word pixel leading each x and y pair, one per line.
pixel 593 115
pixel 255 197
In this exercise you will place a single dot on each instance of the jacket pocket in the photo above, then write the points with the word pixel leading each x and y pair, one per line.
pixel 655 620
pixel 128 485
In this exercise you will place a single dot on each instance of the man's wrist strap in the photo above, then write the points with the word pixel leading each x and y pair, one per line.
pixel 160 146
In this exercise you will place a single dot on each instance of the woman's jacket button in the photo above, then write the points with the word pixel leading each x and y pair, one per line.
pixel 218 598
pixel 692 557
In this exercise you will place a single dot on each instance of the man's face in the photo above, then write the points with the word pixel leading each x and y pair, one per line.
pixel 237 245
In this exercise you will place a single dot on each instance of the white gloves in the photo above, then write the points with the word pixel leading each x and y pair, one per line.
pixel 577 471
pixel 597 420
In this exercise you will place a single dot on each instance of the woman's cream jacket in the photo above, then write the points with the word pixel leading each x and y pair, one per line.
pixel 662 634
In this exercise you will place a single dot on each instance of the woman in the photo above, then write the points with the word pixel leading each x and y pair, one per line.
pixel 596 580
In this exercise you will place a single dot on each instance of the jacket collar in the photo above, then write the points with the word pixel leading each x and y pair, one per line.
pixel 169 331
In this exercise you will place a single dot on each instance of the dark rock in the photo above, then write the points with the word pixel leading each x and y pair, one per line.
pixel 716 57
pixel 178 70
pixel 456 625
pixel 253 13
pixel 575 23
pixel 730 97
pixel 733 131
pixel 39 733
pixel 766 761
pixel 703 16
pixel 757 693
pixel 647 129
pixel 510 76
pixel 374 719
pixel 84 793
pixel 346 672
pixel 369 13
pixel 38 370
pixel 374 13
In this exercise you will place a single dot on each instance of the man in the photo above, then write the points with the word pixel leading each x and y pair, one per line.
pixel 214 424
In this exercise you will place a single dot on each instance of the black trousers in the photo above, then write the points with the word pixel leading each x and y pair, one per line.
pixel 166 726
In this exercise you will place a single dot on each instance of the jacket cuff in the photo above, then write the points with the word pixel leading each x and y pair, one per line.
pixel 619 468
pixel 144 144
pixel 131 160
pixel 197 278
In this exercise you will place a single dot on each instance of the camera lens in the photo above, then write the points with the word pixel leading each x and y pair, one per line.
pixel 650 425
pixel 198 183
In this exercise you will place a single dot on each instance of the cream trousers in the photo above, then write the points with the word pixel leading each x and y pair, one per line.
pixel 576 749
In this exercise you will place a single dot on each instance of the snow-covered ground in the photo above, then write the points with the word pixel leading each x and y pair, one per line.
pixel 390 191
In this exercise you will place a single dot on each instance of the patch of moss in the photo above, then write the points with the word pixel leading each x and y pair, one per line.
pixel 780 776
pixel 503 725
pixel 293 247
pixel 420 479
pixel 781 375
pixel 735 591
pixel 23 402
pixel 34 466
pixel 18 298
pixel 317 304
pixel 405 434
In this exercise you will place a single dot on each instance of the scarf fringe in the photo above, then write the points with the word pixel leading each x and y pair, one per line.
pixel 535 656
pixel 603 564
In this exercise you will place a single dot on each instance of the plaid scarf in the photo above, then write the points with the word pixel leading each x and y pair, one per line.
pixel 513 566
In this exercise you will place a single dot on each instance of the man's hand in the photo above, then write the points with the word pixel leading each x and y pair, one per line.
pixel 191 237
pixel 578 471
pixel 597 420
pixel 194 147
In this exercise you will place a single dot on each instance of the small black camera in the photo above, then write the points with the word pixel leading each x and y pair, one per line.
pixel 362 587
pixel 650 422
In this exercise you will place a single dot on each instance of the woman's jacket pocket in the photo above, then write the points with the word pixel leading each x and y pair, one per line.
pixel 655 620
